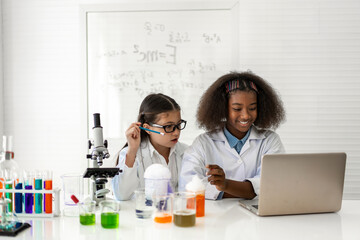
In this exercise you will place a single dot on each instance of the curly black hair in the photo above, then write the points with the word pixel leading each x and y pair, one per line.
pixel 212 110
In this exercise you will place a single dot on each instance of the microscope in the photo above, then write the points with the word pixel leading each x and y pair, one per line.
pixel 98 176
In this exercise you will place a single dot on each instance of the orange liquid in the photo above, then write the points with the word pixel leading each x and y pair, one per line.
pixel 200 205
pixel 164 218
pixel 1 186
pixel 48 184
pixel 190 204
pixel 48 197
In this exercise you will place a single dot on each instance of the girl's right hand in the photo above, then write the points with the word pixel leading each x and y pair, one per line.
pixel 133 139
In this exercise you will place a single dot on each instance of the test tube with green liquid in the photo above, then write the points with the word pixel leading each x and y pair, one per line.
pixel 38 196
pixel 9 182
pixel 9 185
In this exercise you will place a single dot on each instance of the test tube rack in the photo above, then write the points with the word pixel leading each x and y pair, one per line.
pixel 55 200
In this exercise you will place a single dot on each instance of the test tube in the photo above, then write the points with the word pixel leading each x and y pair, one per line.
pixel 48 196
pixel 2 181
pixel 38 196
pixel 18 205
pixel 9 185
pixel 28 196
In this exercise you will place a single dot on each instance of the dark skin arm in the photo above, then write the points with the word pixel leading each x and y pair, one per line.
pixel 230 188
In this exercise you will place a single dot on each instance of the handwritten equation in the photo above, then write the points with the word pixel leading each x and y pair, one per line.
pixel 148 81
pixel 162 60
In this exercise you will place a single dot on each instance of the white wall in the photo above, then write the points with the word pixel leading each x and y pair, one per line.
pixel 305 48
pixel 44 97
pixel 44 94
pixel 1 80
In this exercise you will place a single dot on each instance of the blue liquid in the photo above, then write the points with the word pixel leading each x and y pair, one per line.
pixel 38 196
pixel 28 200
pixel 18 199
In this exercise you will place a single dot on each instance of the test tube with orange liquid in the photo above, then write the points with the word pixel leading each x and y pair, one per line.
pixel 2 180
pixel 48 196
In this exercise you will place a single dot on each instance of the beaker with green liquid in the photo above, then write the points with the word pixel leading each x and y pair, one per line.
pixel 87 212
pixel 109 213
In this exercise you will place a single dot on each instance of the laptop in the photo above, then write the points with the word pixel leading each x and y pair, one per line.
pixel 299 184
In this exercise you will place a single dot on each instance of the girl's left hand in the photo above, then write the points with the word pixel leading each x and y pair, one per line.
pixel 217 177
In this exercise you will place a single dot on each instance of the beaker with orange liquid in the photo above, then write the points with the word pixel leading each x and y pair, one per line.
pixel 200 203
pixel 163 205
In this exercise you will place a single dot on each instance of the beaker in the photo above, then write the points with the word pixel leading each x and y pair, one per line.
pixel 72 185
pixel 184 209
pixel 157 187
pixel 162 208
pixel 109 213
pixel 157 180
pixel 197 186
pixel 87 212
pixel 143 206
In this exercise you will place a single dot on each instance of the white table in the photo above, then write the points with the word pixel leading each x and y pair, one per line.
pixel 224 219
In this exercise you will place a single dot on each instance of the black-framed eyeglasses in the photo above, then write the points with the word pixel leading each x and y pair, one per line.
pixel 171 128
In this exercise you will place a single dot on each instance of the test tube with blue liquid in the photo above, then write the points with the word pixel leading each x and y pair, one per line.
pixel 19 200
pixel 38 196
pixel 28 181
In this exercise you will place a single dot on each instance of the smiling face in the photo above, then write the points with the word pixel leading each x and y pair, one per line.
pixel 242 112
pixel 169 139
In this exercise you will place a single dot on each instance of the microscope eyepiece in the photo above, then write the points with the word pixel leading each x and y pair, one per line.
pixel 97 120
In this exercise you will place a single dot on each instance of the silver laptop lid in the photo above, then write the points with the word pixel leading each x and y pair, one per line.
pixel 301 183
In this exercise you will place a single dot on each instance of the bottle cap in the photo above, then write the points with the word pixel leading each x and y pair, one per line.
pixel 74 199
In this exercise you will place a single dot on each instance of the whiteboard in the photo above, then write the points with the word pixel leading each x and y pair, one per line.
pixel 175 50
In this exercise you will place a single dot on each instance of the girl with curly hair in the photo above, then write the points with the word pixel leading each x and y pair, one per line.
pixel 238 112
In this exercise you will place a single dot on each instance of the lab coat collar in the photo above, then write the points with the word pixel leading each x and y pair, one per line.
pixel 153 151
pixel 254 134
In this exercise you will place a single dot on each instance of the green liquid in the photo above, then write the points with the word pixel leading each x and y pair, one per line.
pixel 87 219
pixel 110 220
pixel 9 195
pixel 184 218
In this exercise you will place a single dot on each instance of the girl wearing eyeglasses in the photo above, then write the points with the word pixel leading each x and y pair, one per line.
pixel 238 111
pixel 161 115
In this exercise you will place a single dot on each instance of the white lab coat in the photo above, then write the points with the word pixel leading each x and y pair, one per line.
pixel 213 148
pixel 130 179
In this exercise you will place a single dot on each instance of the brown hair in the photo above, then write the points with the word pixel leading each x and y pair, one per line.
pixel 212 110
pixel 152 105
